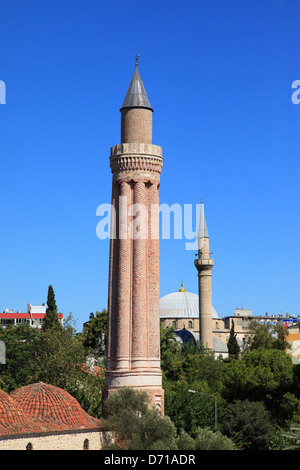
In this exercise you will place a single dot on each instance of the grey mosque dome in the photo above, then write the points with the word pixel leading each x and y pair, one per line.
pixel 181 304
pixel 185 305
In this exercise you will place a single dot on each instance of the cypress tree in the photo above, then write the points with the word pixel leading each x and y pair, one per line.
pixel 232 344
pixel 51 318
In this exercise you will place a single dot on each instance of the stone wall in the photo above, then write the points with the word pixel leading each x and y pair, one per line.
pixel 56 441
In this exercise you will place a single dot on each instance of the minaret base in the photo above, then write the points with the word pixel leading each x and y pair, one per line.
pixel 128 380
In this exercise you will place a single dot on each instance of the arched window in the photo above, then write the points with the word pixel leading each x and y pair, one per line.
pixel 86 444
pixel 29 446
pixel 190 324
pixel 174 324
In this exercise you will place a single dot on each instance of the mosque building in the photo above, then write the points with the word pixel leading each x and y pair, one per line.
pixel 194 318
pixel 180 310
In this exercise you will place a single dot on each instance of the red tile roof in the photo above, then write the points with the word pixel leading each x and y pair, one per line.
pixel 41 407
pixel 46 403
pixel 13 419
pixel 12 315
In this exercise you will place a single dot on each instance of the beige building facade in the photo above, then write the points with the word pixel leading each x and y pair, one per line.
pixel 53 441
pixel 294 340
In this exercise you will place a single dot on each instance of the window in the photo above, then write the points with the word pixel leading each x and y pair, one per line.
pixel 7 322
pixel 86 444
pixel 190 324
pixel 29 446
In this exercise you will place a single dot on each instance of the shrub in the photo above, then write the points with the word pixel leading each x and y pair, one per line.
pixel 248 423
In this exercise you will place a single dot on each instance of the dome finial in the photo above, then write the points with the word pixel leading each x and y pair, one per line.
pixel 182 289
pixel 137 60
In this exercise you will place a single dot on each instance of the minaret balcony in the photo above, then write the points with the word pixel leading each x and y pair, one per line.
pixel 204 263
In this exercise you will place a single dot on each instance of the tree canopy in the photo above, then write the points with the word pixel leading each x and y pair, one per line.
pixel 136 426
pixel 267 336
pixel 95 332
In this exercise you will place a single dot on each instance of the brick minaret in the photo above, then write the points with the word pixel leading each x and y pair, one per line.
pixel 133 355
pixel 204 265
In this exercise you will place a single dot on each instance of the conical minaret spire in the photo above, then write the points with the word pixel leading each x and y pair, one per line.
pixel 136 95
pixel 136 113
pixel 204 265
pixel 202 230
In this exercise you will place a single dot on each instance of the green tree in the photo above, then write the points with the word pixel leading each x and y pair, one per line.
pixel 267 336
pixel 51 319
pixel 23 344
pixel 190 411
pixel 296 381
pixel 249 424
pixel 88 391
pixel 171 361
pixel 265 376
pixel 95 332
pixel 53 356
pixel 200 365
pixel 70 324
pixel 184 441
pixel 232 344
pixel 61 358
pixel 188 362
pixel 206 439
pixel 189 366
pixel 134 425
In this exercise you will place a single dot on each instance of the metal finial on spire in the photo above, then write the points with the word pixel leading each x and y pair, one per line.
pixel 137 60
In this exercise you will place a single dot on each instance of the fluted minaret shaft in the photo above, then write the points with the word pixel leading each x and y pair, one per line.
pixel 133 356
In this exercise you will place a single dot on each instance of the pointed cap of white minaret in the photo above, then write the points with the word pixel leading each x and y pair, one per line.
pixel 202 231
pixel 136 96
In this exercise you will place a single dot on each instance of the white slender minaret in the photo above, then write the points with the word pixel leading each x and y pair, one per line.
pixel 204 265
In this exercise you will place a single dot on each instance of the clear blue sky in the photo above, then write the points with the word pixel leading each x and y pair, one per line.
pixel 218 75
